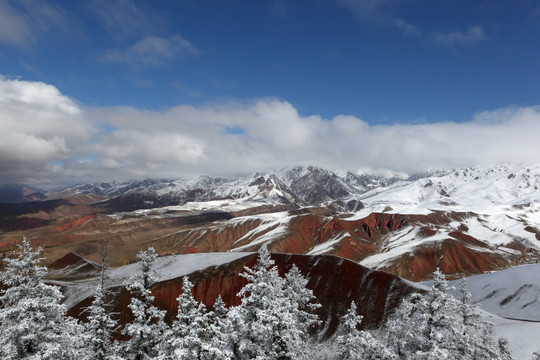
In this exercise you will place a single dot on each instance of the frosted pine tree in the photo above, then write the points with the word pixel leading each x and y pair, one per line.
pixel 222 325
pixel 354 344
pixel 32 318
pixel 438 326
pixel 403 328
pixel 425 326
pixel 263 323
pixel 476 338
pixel 192 334
pixel 302 301
pixel 147 329
pixel 100 325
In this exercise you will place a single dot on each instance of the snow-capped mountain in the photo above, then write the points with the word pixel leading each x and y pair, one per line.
pixel 464 221
pixel 468 189
pixel 296 186
pixel 462 189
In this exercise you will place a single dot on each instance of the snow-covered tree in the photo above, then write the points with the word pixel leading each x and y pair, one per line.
pixel 33 322
pixel 147 329
pixel 265 325
pixel 100 325
pixel 302 301
pixel 424 326
pixel 193 334
pixel 354 344
pixel 476 338
pixel 438 326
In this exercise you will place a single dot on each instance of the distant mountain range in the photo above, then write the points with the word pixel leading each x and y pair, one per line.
pixel 296 186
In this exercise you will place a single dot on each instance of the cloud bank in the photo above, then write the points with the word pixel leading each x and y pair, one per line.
pixel 49 139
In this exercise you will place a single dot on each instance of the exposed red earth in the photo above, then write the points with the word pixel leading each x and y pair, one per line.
pixel 72 228
pixel 336 282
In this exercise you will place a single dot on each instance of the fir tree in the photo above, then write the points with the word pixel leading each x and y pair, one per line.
pixel 438 326
pixel 354 344
pixel 32 318
pixel 476 339
pixel 100 325
pixel 266 324
pixel 193 335
pixel 427 323
pixel 147 329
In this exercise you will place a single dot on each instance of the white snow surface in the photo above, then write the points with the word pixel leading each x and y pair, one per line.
pixel 510 299
pixel 512 293
pixel 165 268
pixel 272 227
pixel 472 189
pixel 522 335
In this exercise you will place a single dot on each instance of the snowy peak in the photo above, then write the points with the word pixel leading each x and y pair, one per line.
pixel 467 189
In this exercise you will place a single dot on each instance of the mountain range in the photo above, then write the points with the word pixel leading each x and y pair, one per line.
pixel 465 221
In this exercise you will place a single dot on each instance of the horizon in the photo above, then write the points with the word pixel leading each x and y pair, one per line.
pixel 434 172
pixel 123 89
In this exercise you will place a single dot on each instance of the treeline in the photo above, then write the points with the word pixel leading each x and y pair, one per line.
pixel 274 321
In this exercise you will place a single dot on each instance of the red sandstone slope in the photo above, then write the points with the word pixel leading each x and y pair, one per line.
pixel 71 267
pixel 336 282
pixel 411 246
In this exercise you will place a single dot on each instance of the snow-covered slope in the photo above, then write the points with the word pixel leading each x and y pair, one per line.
pixel 165 268
pixel 511 293
pixel 470 189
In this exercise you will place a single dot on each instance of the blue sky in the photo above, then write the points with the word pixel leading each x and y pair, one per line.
pixel 394 65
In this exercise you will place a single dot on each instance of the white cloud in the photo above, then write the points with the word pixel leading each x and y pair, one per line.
pixel 38 124
pixel 471 37
pixel 47 137
pixel 152 51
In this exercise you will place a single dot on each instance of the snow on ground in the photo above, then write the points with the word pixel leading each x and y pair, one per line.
pixel 473 189
pixel 510 299
pixel 329 244
pixel 523 336
pixel 165 268
pixel 402 243
pixel 511 293
pixel 273 226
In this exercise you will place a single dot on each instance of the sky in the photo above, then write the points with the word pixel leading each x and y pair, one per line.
pixel 100 90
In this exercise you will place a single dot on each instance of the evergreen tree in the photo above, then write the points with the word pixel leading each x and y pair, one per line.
pixel 193 335
pixel 302 301
pixel 32 318
pixel 476 340
pixel 438 326
pixel 428 324
pixel 147 329
pixel 403 328
pixel 265 327
pixel 100 325
pixel 354 344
